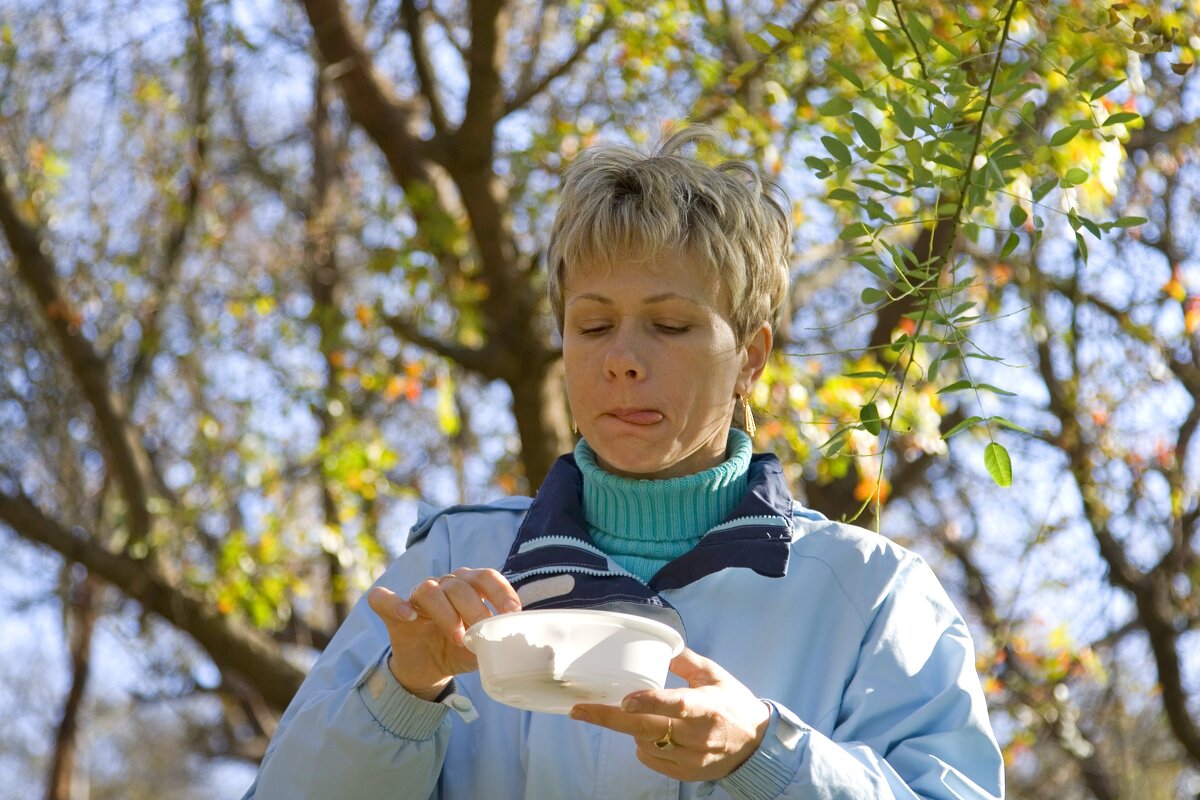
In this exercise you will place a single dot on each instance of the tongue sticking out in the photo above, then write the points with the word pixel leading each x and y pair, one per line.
pixel 640 417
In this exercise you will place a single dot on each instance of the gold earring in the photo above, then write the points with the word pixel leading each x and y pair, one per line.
pixel 574 426
pixel 748 416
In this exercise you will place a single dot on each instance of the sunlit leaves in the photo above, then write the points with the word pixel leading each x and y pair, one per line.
pixel 998 463
pixel 955 122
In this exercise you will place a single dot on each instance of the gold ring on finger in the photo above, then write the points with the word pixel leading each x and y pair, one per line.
pixel 666 743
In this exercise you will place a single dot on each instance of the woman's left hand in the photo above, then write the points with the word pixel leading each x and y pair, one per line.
pixel 701 733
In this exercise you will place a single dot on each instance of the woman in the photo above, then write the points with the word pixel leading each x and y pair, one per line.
pixel 823 661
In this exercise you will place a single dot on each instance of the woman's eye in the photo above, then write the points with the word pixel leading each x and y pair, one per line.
pixel 672 329
pixel 592 330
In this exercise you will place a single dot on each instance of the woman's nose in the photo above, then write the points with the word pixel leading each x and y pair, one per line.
pixel 623 359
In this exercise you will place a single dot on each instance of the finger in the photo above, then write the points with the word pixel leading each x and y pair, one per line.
pixel 697 670
pixel 464 596
pixel 643 727
pixel 659 761
pixel 493 586
pixel 389 606
pixel 676 703
pixel 429 598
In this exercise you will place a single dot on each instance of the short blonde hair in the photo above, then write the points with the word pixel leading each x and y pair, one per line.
pixel 618 202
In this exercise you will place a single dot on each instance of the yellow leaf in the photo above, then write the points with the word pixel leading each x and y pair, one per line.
pixel 1060 638
pixel 448 419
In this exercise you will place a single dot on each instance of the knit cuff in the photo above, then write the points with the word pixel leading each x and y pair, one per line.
pixel 398 711
pixel 771 768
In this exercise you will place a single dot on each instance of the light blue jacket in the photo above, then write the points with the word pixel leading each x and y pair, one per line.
pixel 867 667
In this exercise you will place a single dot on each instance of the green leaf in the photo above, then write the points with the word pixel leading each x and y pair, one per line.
pixel 744 68
pixel 846 73
pixel 854 231
pixel 871 262
pixel 1043 189
pixel 998 464
pixel 882 51
pixel 1075 176
pixel 842 193
pixel 1081 62
pixel 866 131
pixel 818 165
pixel 870 295
pixel 870 419
pixel 1064 134
pixel 758 43
pixel 835 107
pixel 995 389
pixel 947 160
pixel 834 444
pixel 956 387
pixel 962 426
pixel 1082 247
pixel 779 32
pixel 1010 244
pixel 1129 222
pixel 1007 423
pixel 904 120
pixel 1106 88
pixel 837 148
pixel 920 33
pixel 932 373
pixel 1017 215
pixel 879 186
pixel 1120 118
pixel 1092 227
pixel 868 374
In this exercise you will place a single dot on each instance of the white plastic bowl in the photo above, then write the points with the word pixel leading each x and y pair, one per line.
pixel 550 660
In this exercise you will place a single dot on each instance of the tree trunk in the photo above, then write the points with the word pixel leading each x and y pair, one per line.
pixel 81 621
pixel 543 422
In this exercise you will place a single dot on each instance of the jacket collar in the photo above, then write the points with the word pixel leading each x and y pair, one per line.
pixel 553 538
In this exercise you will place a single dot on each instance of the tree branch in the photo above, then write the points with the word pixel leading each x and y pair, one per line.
pixel 1151 591
pixel 420 56
pixel 480 360
pixel 529 90
pixel 230 642
pixel 1066 735
pixel 121 441
pixel 174 241
pixel 81 621
pixel 391 122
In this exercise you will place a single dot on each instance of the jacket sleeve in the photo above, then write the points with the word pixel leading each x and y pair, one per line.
pixel 912 723
pixel 352 731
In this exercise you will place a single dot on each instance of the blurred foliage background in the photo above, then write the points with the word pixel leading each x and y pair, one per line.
pixel 272 272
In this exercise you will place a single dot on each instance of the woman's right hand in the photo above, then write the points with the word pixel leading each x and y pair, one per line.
pixel 427 629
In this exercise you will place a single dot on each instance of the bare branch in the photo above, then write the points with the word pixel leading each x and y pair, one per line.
pixel 391 122
pixel 425 72
pixel 528 90
pixel 482 361
pixel 1066 735
pixel 174 241
pixel 1151 591
pixel 81 621
pixel 231 643
pixel 122 443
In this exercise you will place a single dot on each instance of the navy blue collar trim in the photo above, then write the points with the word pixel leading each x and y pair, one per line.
pixel 553 540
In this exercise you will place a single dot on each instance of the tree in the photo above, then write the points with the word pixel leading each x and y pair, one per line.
pixel 275 276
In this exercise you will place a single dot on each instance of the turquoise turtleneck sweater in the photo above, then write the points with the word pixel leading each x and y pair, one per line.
pixel 643 524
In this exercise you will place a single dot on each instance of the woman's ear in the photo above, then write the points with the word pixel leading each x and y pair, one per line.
pixel 756 352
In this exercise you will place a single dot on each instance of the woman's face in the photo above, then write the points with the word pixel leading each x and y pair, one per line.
pixel 653 365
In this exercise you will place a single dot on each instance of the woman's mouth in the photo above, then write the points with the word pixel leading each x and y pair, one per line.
pixel 637 416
